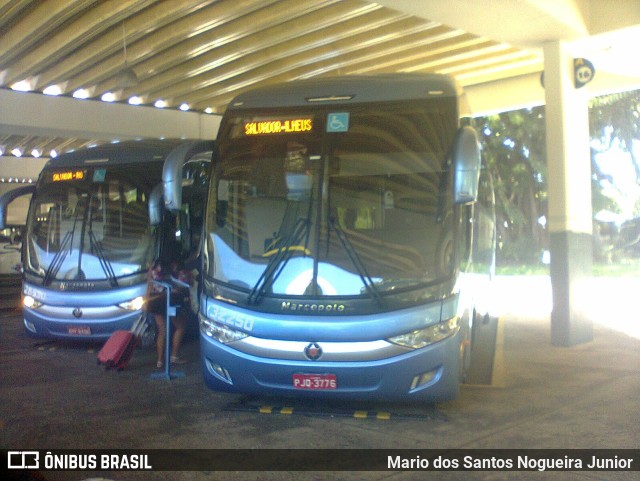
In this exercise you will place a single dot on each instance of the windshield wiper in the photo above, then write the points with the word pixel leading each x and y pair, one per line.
pixel 105 263
pixel 58 259
pixel 61 255
pixel 96 247
pixel 279 260
pixel 367 280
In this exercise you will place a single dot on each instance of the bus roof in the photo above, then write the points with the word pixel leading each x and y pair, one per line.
pixel 126 151
pixel 348 89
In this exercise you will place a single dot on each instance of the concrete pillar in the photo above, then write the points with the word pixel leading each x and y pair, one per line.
pixel 570 213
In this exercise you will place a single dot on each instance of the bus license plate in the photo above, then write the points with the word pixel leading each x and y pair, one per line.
pixel 79 330
pixel 315 381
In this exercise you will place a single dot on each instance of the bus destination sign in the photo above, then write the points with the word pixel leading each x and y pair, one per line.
pixel 68 175
pixel 288 126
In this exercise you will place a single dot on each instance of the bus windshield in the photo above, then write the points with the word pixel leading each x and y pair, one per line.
pixel 90 224
pixel 333 201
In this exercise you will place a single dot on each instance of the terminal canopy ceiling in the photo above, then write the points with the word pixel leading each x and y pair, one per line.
pixel 197 55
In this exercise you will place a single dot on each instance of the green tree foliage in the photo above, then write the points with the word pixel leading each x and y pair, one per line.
pixel 615 120
pixel 614 124
pixel 513 145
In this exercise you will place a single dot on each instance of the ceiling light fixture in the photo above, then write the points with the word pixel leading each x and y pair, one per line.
pixel 81 94
pixel 22 86
pixel 126 78
pixel 53 90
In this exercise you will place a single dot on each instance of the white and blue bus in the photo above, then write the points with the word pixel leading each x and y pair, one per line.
pixel 96 221
pixel 338 238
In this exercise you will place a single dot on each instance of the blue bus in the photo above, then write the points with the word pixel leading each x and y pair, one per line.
pixel 96 221
pixel 339 258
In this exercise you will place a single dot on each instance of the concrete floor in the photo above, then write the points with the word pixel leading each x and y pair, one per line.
pixel 54 396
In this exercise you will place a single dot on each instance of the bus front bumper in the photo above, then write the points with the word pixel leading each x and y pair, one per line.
pixel 428 374
pixel 84 324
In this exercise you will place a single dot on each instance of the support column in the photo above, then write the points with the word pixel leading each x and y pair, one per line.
pixel 569 182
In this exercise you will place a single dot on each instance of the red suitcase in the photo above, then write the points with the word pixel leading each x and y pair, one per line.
pixel 117 351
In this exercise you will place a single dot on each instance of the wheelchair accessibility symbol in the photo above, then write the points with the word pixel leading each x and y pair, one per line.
pixel 338 122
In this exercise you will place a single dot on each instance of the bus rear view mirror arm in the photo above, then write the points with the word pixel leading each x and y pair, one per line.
pixel 8 197
pixel 172 171
pixel 156 205
pixel 466 164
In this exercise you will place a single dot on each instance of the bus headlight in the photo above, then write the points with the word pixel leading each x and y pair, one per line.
pixel 220 332
pixel 133 305
pixel 428 335
pixel 30 302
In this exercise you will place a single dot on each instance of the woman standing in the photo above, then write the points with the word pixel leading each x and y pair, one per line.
pixel 157 305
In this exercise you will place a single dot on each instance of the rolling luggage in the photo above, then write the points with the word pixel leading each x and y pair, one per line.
pixel 117 351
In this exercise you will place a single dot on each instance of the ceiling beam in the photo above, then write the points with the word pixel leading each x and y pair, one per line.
pixel 35 114
pixel 537 20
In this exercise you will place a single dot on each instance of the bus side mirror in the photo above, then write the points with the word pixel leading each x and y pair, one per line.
pixel 10 196
pixel 172 170
pixel 466 164
pixel 156 206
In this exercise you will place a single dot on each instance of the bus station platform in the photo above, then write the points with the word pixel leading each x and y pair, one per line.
pixel 54 396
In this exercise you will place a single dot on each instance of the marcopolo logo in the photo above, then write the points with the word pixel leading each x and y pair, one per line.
pixel 23 460
pixel 295 306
